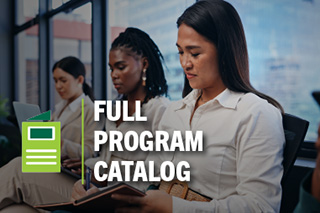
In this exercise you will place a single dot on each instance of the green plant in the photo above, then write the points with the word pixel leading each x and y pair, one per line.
pixel 4 111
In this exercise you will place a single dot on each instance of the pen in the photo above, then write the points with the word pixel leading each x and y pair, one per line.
pixel 88 178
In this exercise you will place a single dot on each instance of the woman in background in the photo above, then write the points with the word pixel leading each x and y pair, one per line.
pixel 240 168
pixel 17 187
pixel 137 73
pixel 69 77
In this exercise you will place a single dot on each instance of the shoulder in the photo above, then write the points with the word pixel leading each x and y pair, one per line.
pixel 156 103
pixel 253 106
pixel 88 102
pixel 88 105
pixel 254 102
pixel 159 100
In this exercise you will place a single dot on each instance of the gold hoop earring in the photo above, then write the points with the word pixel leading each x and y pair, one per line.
pixel 144 77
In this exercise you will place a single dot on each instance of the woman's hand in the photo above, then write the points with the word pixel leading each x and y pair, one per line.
pixel 78 191
pixel 73 164
pixel 154 201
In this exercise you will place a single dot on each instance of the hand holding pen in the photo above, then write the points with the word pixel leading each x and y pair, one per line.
pixel 88 178
pixel 79 191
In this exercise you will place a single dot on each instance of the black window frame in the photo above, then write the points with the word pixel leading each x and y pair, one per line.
pixel 44 20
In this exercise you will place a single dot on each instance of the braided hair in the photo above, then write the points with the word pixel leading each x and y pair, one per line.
pixel 140 43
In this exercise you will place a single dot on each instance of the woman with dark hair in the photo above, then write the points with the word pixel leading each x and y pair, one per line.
pixel 137 74
pixel 76 68
pixel 20 190
pixel 240 169
pixel 69 77
pixel 136 43
pixel 222 26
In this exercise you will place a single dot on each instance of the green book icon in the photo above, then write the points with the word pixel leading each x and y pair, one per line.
pixel 41 145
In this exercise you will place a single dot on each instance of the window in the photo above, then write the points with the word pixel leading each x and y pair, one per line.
pixel 68 22
pixel 58 3
pixel 72 37
pixel 26 10
pixel 283 45
pixel 27 65
pixel 158 19
pixel 284 52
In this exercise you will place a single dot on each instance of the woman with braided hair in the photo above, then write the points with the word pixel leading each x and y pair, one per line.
pixel 137 74
pixel 137 44
pixel 136 68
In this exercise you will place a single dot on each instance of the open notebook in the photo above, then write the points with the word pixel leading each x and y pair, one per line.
pixel 100 201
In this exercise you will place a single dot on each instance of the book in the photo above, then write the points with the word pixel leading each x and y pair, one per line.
pixel 97 202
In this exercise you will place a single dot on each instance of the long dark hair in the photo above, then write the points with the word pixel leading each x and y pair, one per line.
pixel 74 67
pixel 140 43
pixel 220 23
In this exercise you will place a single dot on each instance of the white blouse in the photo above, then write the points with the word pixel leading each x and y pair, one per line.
pixel 241 165
pixel 70 120
pixel 69 110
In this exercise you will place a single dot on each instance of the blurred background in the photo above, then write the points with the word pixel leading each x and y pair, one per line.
pixel 283 40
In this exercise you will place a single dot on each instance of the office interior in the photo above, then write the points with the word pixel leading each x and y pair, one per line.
pixel 282 37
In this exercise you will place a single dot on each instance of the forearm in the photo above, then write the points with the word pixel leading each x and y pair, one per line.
pixel 74 150
pixel 234 203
